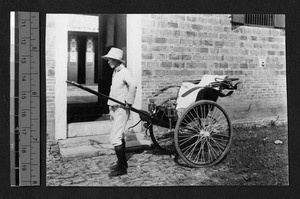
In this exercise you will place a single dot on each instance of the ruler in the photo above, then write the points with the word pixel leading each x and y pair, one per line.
pixel 25 101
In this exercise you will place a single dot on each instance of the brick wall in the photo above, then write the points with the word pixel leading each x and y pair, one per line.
pixel 50 78
pixel 177 47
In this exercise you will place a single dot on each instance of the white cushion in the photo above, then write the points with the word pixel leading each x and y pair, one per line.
pixel 184 102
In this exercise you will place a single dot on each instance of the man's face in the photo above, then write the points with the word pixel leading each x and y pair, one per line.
pixel 112 62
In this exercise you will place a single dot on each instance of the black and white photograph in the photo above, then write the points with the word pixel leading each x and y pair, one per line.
pixel 166 100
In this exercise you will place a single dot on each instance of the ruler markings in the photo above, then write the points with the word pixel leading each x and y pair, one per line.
pixel 25 168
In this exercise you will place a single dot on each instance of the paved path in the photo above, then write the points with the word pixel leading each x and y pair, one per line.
pixel 147 168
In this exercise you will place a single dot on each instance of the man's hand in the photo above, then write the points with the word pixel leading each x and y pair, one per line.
pixel 128 106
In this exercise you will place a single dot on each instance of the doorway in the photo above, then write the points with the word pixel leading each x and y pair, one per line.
pixel 86 67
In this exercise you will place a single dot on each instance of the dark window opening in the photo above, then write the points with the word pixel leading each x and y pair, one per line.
pixel 261 20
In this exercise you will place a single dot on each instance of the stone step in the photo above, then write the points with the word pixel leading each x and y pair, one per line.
pixel 89 128
pixel 89 146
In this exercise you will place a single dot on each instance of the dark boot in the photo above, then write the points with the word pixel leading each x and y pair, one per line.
pixel 116 165
pixel 121 166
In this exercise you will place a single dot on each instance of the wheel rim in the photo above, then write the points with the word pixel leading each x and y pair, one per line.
pixel 203 134
pixel 163 138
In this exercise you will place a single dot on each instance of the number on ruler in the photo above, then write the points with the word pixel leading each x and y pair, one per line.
pixel 23 78
pixel 24 95
pixel 23 60
pixel 24 131
pixel 24 150
pixel 24 114
pixel 23 42
pixel 23 23
pixel 34 48
pixel 24 167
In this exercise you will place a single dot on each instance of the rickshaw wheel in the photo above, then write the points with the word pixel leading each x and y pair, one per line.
pixel 163 138
pixel 203 134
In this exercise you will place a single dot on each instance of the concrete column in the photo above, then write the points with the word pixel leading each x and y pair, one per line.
pixel 134 59
pixel 61 61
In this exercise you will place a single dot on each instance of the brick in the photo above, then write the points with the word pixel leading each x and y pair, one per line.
pixel 159 56
pixel 185 41
pixel 257 45
pixel 219 43
pixel 239 72
pixel 213 21
pixel 229 43
pixel 244 52
pixel 147 56
pixel 174 56
pixel 242 37
pixel 271 52
pixel 189 18
pixel 263 52
pixel 166 64
pixel 147 73
pixel 209 28
pixel 234 51
pixel 203 50
pixel 229 72
pixel 203 35
pixel 214 50
pixel 176 33
pixel 178 65
pixel 254 52
pixel 271 39
pixel 224 36
pixel 190 34
pixel 153 64
pixel 218 28
pixel 254 38
pixel 147 39
pixel 207 43
pixel 227 29
pixel 197 57
pixel 279 66
pixel 191 49
pixel 224 65
pixel 51 73
pixel 229 58
pixel 197 27
pixel 174 41
pixel 274 46
pixel 167 48
pixel 154 48
pixel 208 57
pixel 212 35
pixel 167 32
pixel 244 65
pixel 160 73
pixel 144 47
pixel 180 17
pixel 179 49
pixel 160 40
pixel 218 72
pixel 282 53
pixel 225 50
pixel 186 57
pixel 197 42
pixel 172 25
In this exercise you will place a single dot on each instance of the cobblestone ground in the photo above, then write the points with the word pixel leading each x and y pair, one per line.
pixel 147 168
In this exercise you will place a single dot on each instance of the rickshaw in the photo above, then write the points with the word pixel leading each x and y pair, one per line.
pixel 191 123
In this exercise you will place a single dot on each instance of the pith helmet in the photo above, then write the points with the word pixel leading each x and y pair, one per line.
pixel 114 53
